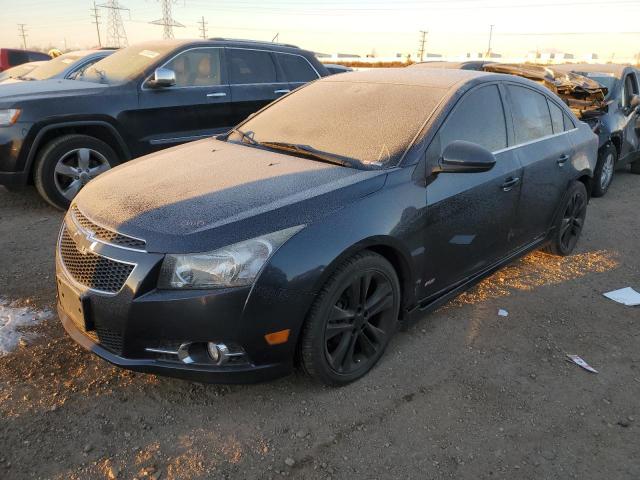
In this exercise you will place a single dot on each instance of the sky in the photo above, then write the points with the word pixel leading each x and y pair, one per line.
pixel 607 27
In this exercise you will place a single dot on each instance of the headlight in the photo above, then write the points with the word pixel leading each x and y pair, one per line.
pixel 9 116
pixel 232 266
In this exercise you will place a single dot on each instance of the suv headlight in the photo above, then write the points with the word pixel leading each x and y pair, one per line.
pixel 232 266
pixel 9 116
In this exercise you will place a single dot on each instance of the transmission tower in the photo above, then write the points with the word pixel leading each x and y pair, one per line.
pixel 203 28
pixel 95 13
pixel 23 34
pixel 421 44
pixel 167 20
pixel 116 36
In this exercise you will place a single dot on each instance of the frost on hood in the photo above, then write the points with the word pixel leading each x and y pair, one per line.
pixel 13 322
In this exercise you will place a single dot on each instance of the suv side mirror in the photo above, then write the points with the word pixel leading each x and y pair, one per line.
pixel 162 78
pixel 465 157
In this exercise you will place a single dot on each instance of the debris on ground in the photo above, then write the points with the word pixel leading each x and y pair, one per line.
pixel 626 296
pixel 580 362
pixel 503 313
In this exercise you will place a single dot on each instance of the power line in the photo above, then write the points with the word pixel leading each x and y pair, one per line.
pixel 95 13
pixel 423 41
pixel 203 28
pixel 116 34
pixel 23 34
pixel 167 20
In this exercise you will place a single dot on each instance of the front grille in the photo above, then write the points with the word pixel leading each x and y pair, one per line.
pixel 105 235
pixel 91 270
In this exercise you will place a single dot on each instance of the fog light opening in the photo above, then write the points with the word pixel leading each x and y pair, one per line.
pixel 214 351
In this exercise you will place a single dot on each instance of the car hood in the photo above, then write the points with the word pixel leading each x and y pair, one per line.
pixel 583 95
pixel 20 90
pixel 210 193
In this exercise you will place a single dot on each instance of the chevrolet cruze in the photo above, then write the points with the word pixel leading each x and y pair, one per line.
pixel 309 232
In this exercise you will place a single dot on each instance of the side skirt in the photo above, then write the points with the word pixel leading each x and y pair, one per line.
pixel 431 303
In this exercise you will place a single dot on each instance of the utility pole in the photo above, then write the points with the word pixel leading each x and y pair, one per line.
pixel 95 13
pixel 276 38
pixel 203 28
pixel 116 35
pixel 488 55
pixel 167 20
pixel 422 43
pixel 23 34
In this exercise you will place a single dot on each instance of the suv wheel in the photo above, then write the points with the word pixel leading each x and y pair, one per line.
pixel 570 222
pixel 66 164
pixel 351 321
pixel 605 168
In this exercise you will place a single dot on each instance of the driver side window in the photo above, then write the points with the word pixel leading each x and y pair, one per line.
pixel 197 68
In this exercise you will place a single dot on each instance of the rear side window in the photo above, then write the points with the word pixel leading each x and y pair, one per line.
pixel 531 118
pixel 297 68
pixel 556 117
pixel 251 66
pixel 568 122
pixel 478 118
pixel 17 57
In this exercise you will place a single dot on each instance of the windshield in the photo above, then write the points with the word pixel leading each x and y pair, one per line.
pixel 126 63
pixel 604 79
pixel 371 123
pixel 53 67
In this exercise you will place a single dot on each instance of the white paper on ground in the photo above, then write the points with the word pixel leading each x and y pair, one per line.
pixel 626 296
pixel 503 313
pixel 580 362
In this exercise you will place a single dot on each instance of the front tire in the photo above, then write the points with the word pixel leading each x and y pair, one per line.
pixel 351 321
pixel 68 163
pixel 605 168
pixel 568 228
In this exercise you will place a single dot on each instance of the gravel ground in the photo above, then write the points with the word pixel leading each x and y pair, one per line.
pixel 464 393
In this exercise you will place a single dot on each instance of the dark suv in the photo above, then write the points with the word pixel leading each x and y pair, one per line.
pixel 62 133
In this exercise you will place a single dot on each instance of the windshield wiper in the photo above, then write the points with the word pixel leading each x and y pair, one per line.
pixel 245 135
pixel 309 151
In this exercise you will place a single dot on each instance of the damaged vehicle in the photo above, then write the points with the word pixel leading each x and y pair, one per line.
pixel 307 233
pixel 605 97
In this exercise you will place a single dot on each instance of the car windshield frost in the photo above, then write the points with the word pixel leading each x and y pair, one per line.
pixel 370 123
pixel 52 67
pixel 125 64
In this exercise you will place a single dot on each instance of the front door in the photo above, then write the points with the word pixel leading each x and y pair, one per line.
pixel 470 215
pixel 197 106
pixel 254 81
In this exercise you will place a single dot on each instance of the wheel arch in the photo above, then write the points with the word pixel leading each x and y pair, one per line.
pixel 100 129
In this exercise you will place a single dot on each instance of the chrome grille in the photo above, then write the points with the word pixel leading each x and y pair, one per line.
pixel 91 270
pixel 106 235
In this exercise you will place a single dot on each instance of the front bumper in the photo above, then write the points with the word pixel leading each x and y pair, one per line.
pixel 12 166
pixel 121 325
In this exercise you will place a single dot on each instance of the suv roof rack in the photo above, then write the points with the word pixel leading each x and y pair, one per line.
pixel 245 40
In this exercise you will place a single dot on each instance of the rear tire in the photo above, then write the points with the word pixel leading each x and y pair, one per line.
pixel 568 227
pixel 605 168
pixel 68 163
pixel 352 320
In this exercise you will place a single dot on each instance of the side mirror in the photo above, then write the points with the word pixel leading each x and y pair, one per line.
pixel 465 157
pixel 162 78
pixel 635 101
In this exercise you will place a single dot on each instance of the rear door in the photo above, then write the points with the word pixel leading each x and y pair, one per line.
pixel 545 152
pixel 198 105
pixel 470 215
pixel 254 80
pixel 297 69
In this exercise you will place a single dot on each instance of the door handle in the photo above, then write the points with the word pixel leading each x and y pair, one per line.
pixel 285 90
pixel 510 183
pixel 563 159
pixel 217 94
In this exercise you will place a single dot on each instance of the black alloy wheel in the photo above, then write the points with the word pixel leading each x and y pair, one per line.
pixel 352 320
pixel 567 232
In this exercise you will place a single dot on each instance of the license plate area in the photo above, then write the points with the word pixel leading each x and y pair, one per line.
pixel 74 305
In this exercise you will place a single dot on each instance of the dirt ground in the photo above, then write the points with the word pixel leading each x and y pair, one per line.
pixel 464 393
